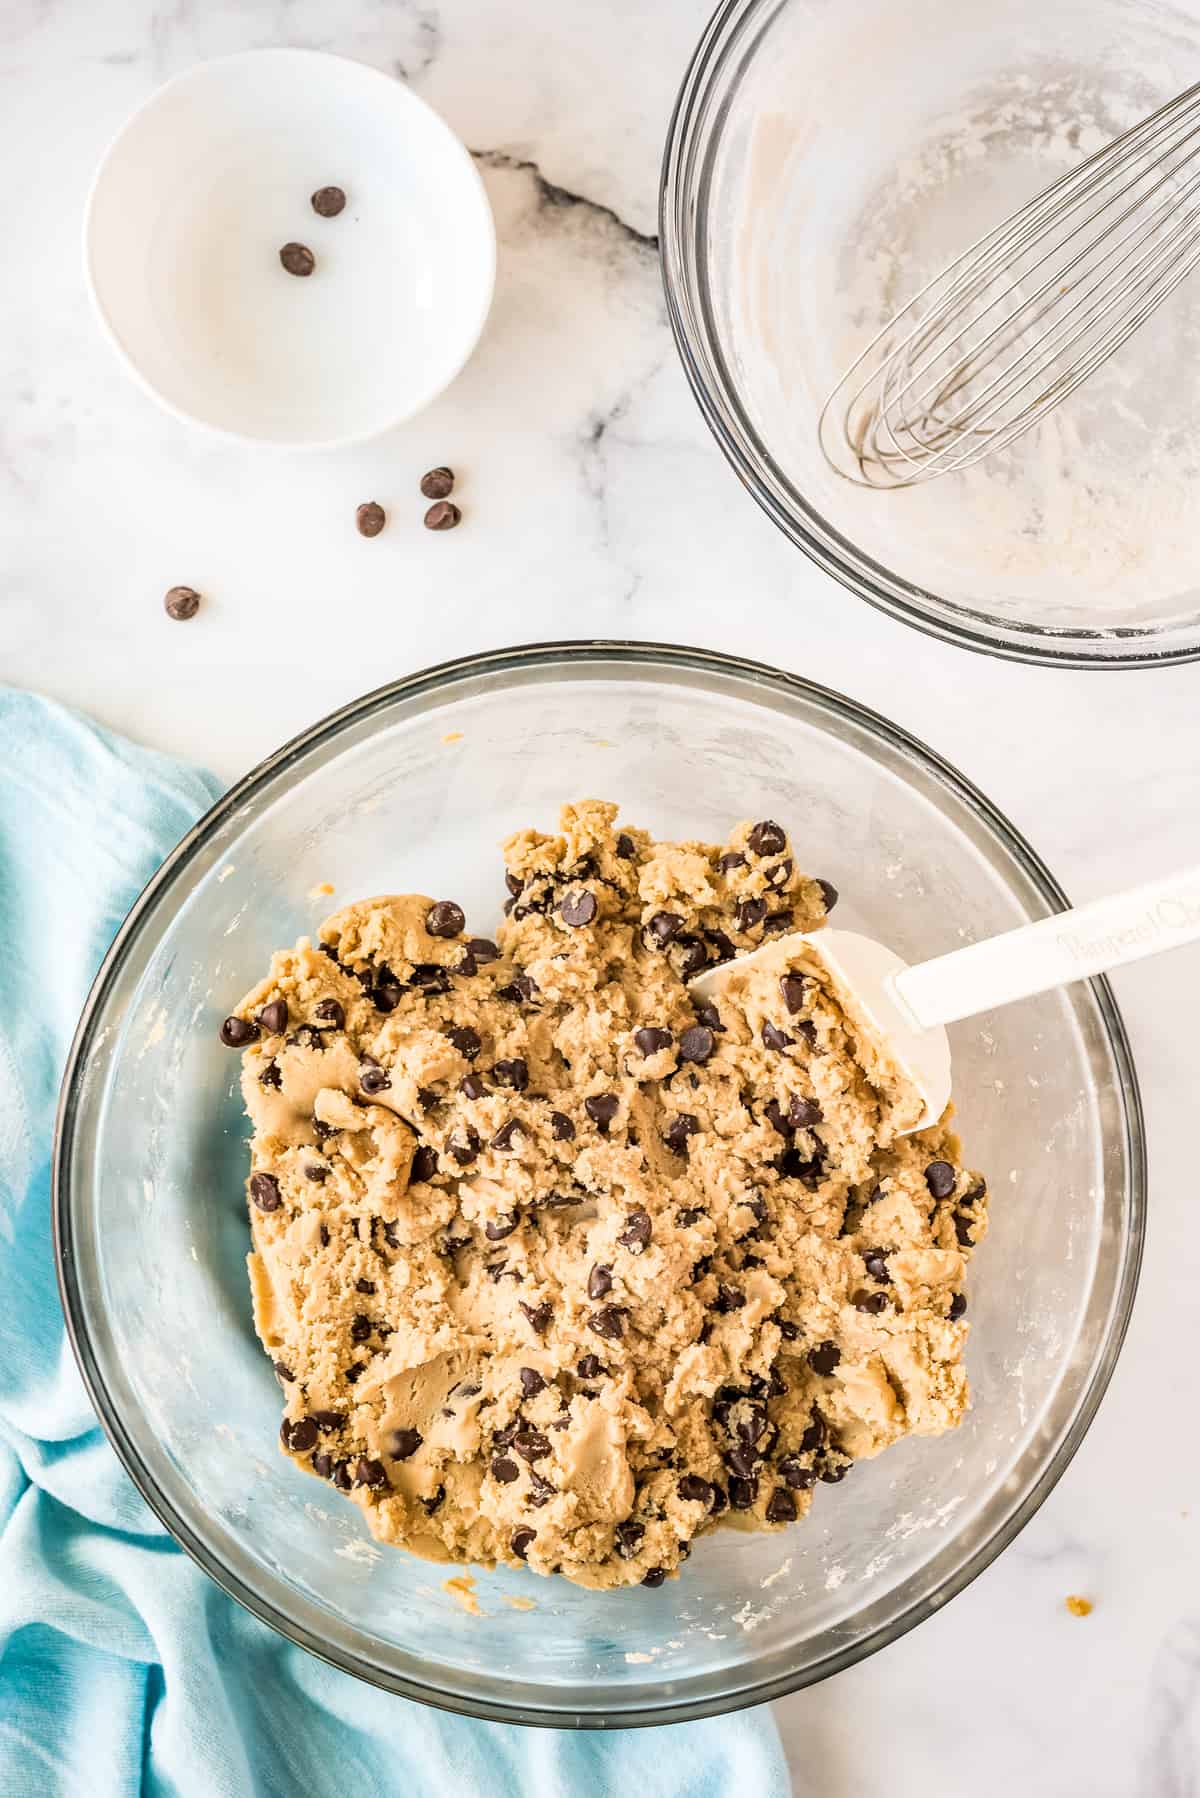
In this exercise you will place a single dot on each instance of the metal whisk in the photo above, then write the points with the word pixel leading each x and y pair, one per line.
pixel 990 345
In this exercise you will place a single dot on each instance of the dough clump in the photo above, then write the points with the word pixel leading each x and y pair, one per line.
pixel 560 1266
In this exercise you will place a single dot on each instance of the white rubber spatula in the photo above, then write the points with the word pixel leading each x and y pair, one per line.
pixel 902 1009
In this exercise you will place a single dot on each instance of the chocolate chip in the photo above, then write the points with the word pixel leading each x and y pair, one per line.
pixel 815 1435
pixel 483 949
pixel 779 921
pixel 503 1138
pixel 540 1490
pixel 431 1504
pixel 520 1541
pixel 656 1575
pixel 465 1040
pixel 561 1127
pixel 273 1018
pixel 300 1435
pixel 602 1108
pixel 637 1232
pixel 628 1537
pixel 799 1477
pixel 742 1461
pixel 789 1331
pixel 531 1445
pixel 735 859
pixel 327 202
pixel 803 1113
pixel 958 1305
pixel 373 1079
pixel 283 1370
pixel 876 1264
pixel 694 1489
pixel 464 1148
pixel 443 515
pixel 697 1044
pixel 728 1298
pixel 588 1367
pixel 650 1039
pixel 271 1076
pixel 438 483
pixel 577 909
pixel 323 1463
pixel 515 885
pixel 429 979
pixel 742 1492
pixel 599 1281
pixel 181 603
pixel 829 894
pixel 663 927
pixel 750 913
pixel 608 1322
pixel 773 1112
pixel 778 876
pixel 500 1227
pixel 361 1328
pixel 427 1099
pixel 513 1073
pixel 834 1471
pixel 386 996
pixel 941 1179
pixel 531 1381
pixel 692 957
pixel 405 1443
pixel 962 1230
pixel 264 1190
pixel 781 1506
pixel 472 1087
pixel 445 919
pixel 823 1357
pixel 691 1216
pixel 539 1315
pixel 626 848
pixel 871 1302
pixel 370 1473
pixel 793 987
pixel 370 518
pixel 237 1032
pixel 297 259
pixel 424 1164
pixel 677 1132
pixel 505 1470
pixel 330 1012
pixel 767 838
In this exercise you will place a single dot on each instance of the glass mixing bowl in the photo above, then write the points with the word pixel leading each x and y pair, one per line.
pixel 825 158
pixel 412 788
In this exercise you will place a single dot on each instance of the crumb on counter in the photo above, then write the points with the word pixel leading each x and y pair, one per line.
pixel 1079 1607
pixel 519 1604
pixel 453 736
pixel 321 892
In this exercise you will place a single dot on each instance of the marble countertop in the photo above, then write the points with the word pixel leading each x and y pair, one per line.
pixel 596 505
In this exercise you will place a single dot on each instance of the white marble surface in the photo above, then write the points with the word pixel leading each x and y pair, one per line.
pixel 598 506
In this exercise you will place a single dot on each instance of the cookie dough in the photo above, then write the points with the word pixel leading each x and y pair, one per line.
pixel 555 1264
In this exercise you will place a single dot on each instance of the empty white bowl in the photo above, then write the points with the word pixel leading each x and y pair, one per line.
pixel 208 181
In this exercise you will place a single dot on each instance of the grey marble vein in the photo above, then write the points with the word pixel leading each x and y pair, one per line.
pixel 550 194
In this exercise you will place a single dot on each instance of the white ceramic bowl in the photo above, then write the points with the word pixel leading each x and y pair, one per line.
pixel 214 174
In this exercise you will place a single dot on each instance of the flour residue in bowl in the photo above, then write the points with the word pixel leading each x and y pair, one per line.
pixel 1089 520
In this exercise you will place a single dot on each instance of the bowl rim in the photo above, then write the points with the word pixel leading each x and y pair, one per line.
pixel 438 682
pixel 455 149
pixel 696 341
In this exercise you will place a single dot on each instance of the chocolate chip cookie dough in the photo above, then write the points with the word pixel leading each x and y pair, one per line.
pixel 559 1266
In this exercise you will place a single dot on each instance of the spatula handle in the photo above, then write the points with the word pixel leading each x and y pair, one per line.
pixel 1091 939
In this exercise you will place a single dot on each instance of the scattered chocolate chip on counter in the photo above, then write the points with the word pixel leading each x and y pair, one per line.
pixel 297 259
pixel 181 603
pixel 370 518
pixel 438 483
pixel 442 516
pixel 327 202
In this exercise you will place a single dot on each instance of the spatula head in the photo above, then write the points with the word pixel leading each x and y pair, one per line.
pixel 911 1063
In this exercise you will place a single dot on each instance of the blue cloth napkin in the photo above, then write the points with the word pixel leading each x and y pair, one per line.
pixel 122 1667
